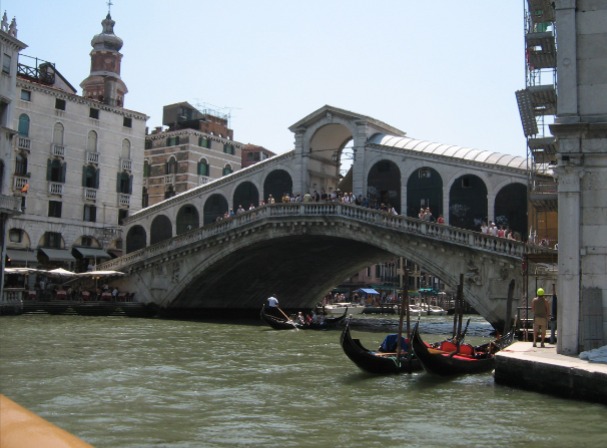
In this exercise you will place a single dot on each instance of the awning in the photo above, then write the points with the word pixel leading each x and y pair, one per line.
pixel 22 255
pixel 57 254
pixel 91 252
pixel 368 290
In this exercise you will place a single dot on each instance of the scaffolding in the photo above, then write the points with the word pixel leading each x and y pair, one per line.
pixel 537 104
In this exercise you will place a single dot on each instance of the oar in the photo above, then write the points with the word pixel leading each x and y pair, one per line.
pixel 289 320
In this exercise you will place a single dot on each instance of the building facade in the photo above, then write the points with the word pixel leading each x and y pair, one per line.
pixel 197 147
pixel 77 160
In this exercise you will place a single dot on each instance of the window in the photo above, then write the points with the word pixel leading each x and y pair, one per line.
pixel 127 122
pixel 20 165
pixel 122 215
pixel 229 149
pixel 52 240
pixel 148 144
pixel 424 173
pixel 94 113
pixel 145 199
pixel 91 142
pixel 90 213
pixel 26 95
pixel 203 168
pixel 59 104
pixel 6 64
pixel 227 170
pixel 126 149
pixel 204 142
pixel 54 209
pixel 15 235
pixel 86 241
pixel 124 183
pixel 171 166
pixel 466 182
pixel 24 125
pixel 173 141
pixel 147 169
pixel 58 134
pixel 55 170
pixel 90 177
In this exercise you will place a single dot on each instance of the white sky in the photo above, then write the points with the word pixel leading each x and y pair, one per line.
pixel 440 70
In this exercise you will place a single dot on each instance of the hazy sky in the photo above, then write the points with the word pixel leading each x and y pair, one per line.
pixel 439 70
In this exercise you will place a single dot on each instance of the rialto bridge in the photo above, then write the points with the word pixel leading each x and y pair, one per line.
pixel 181 256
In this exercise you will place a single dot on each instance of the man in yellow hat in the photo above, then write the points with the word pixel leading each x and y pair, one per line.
pixel 541 312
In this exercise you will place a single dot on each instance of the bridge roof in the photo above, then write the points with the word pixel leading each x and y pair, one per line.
pixel 453 151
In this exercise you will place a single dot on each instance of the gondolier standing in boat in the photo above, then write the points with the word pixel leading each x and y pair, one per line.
pixel 272 302
pixel 541 312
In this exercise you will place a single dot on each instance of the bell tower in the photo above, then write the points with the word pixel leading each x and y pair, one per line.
pixel 104 83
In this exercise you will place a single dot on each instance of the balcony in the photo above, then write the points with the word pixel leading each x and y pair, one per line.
pixel 90 194
pixel 92 158
pixel 10 205
pixel 57 150
pixel 126 164
pixel 24 143
pixel 204 180
pixel 169 179
pixel 124 200
pixel 19 182
pixel 55 188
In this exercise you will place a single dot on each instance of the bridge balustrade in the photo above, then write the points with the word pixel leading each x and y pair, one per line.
pixel 442 232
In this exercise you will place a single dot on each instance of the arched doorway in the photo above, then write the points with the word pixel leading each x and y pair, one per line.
pixel 468 202
pixel 187 219
pixel 161 229
pixel 214 208
pixel 246 194
pixel 277 183
pixel 511 209
pixel 383 185
pixel 135 239
pixel 425 189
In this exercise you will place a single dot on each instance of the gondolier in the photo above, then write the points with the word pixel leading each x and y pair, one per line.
pixel 272 302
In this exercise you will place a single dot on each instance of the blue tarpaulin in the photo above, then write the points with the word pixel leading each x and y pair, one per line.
pixel 368 290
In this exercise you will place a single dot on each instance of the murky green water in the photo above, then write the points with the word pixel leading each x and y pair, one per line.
pixel 121 382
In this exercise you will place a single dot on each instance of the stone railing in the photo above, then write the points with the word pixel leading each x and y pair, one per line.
pixel 402 224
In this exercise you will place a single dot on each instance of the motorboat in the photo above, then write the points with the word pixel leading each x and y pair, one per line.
pixel 434 310
pixel 337 309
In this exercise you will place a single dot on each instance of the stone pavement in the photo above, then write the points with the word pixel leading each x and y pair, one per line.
pixel 543 370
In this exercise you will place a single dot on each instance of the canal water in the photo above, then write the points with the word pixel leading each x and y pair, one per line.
pixel 127 382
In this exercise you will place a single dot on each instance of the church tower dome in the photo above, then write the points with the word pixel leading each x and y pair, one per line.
pixel 103 83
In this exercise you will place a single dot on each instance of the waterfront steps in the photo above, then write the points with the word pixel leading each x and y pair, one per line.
pixel 543 370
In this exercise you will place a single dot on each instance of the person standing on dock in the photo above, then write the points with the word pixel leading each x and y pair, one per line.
pixel 541 311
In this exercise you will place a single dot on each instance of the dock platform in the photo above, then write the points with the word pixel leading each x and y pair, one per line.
pixel 543 370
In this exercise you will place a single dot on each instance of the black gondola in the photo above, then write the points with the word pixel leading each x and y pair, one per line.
pixel 448 359
pixel 282 323
pixel 375 361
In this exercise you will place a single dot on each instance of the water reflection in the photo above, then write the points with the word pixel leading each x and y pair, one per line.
pixel 120 382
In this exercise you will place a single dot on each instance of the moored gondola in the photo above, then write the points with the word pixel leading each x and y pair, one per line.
pixel 376 362
pixel 282 323
pixel 447 358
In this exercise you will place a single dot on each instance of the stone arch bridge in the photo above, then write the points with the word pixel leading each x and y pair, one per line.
pixel 298 251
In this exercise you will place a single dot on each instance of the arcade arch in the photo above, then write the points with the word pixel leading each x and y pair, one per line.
pixel 187 219
pixel 468 202
pixel 215 207
pixel 277 183
pixel 246 194
pixel 161 229
pixel 384 185
pixel 425 189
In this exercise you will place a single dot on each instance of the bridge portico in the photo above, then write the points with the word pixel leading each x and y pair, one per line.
pixel 467 185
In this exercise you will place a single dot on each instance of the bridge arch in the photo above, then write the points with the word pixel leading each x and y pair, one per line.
pixel 161 229
pixel 384 184
pixel 187 219
pixel 215 207
pixel 277 183
pixel 511 208
pixel 136 238
pixel 245 194
pixel 468 202
pixel 424 189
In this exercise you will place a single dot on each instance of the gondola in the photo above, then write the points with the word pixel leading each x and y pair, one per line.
pixel 446 358
pixel 375 361
pixel 282 323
